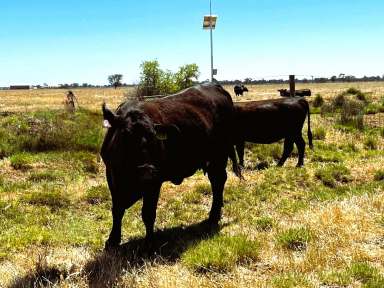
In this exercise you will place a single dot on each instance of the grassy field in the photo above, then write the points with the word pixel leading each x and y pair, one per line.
pixel 317 226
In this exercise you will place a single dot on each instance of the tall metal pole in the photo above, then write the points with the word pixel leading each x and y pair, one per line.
pixel 210 14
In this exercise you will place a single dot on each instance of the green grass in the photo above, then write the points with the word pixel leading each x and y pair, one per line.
pixel 221 253
pixel 294 238
pixel 55 197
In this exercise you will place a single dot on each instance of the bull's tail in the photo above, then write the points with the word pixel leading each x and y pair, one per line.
pixel 309 127
pixel 235 166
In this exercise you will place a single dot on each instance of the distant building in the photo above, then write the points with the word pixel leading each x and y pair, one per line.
pixel 19 87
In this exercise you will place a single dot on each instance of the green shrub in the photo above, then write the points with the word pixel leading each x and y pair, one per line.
pixel 294 238
pixel 333 174
pixel 318 101
pixel 339 100
pixel 358 94
pixel 220 253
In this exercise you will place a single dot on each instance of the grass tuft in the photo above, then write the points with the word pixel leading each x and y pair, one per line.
pixel 264 223
pixel 379 175
pixel 51 197
pixel 97 195
pixel 21 161
pixel 333 174
pixel 290 280
pixel 294 238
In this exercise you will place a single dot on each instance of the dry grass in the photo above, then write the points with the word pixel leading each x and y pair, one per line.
pixel 65 243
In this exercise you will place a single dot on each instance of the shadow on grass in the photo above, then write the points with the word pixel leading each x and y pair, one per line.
pixel 167 246
pixel 107 267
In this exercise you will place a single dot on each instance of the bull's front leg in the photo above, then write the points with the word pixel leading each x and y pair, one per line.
pixel 148 212
pixel 115 235
pixel 217 176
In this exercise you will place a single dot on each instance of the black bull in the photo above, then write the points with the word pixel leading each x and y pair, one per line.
pixel 167 139
pixel 268 121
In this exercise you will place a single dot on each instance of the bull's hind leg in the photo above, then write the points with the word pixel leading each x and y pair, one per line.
pixel 300 143
pixel 288 147
pixel 217 176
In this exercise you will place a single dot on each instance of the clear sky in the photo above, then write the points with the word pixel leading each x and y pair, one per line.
pixel 85 41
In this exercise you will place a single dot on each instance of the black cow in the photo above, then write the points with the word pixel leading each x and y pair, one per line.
pixel 167 139
pixel 268 121
pixel 239 90
pixel 300 93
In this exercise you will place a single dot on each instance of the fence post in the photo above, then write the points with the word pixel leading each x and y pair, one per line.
pixel 292 85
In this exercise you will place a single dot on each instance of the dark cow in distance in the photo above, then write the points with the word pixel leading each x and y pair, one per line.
pixel 239 90
pixel 268 121
pixel 168 139
pixel 300 93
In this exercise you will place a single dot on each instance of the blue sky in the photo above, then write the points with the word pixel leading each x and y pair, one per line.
pixel 85 41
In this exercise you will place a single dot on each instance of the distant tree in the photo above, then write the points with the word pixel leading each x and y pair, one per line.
pixel 333 78
pixel 115 80
pixel 185 76
pixel 150 77
pixel 247 80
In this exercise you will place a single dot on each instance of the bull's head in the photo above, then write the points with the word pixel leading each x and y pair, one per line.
pixel 132 152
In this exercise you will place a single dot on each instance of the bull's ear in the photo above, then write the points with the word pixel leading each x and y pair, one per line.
pixel 110 118
pixel 163 132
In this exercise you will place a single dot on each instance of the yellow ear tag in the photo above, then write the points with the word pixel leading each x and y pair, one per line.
pixel 161 136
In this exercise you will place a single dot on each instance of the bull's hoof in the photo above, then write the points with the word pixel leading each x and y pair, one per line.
pixel 111 245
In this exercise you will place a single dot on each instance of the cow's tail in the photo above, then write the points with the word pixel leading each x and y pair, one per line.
pixel 235 165
pixel 309 127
